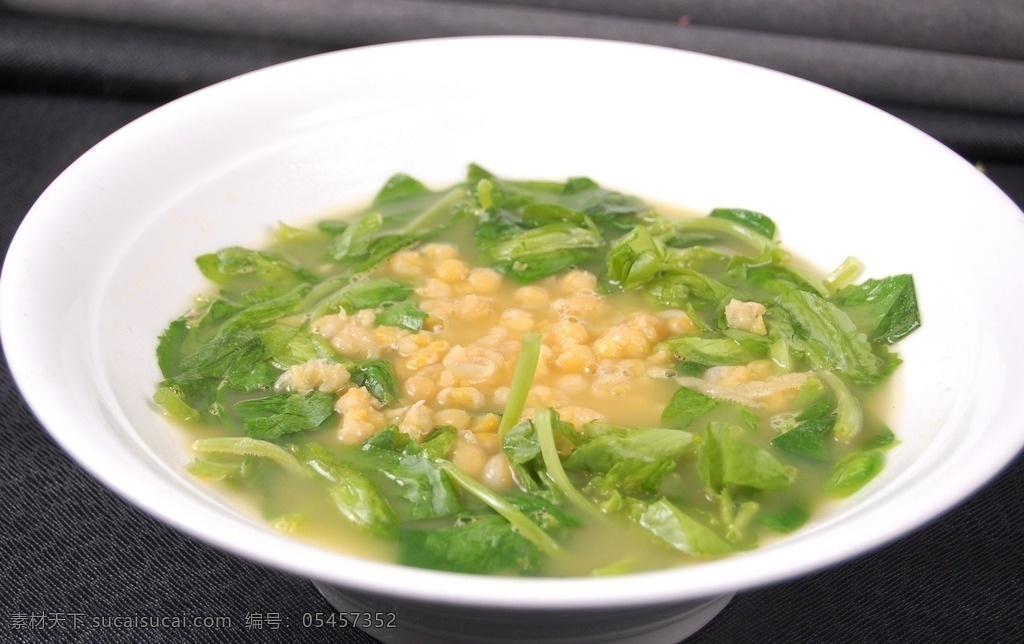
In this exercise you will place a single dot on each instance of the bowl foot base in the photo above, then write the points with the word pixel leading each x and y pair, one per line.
pixel 405 621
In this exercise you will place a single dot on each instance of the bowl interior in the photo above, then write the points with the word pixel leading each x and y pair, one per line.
pixel 301 140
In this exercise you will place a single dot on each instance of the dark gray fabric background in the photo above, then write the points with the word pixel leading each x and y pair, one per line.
pixel 72 72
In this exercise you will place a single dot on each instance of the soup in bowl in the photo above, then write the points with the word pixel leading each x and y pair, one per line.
pixel 308 141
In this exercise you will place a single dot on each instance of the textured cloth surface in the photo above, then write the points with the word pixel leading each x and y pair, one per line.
pixel 869 69
pixel 73 557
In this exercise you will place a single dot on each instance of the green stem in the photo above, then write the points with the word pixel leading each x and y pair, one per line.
pixel 522 379
pixel 844 274
pixel 244 446
pixel 849 417
pixel 534 533
pixel 543 424
pixel 724 227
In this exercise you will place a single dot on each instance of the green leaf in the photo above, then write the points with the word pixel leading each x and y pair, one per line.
pixel 784 520
pixel 411 467
pixel 726 231
pixel 509 512
pixel 544 513
pixel 265 310
pixel 214 469
pixel 356 296
pixel 379 249
pixel 285 234
pixel 820 408
pixel 272 417
pixel 759 223
pixel 169 347
pixel 849 418
pixel 635 476
pixel 527 230
pixel 430 493
pixel 404 315
pixel 305 345
pixel 400 187
pixel 438 444
pixel 603 452
pixel 356 236
pixel 678 286
pixel 229 263
pixel 605 207
pixel 377 377
pixel 520 443
pixel 722 350
pixel 681 531
pixel 853 472
pixel 353 493
pixel 538 252
pixel 807 439
pixel 486 545
pixel 882 439
pixel 686 406
pixel 332 226
pixel 825 335
pixel 888 307
pixel 759 281
pixel 635 259
pixel 237 357
pixel 724 460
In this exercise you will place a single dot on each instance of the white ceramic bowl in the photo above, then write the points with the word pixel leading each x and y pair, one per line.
pixel 104 260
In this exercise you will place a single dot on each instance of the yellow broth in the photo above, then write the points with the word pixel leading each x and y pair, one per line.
pixel 605 366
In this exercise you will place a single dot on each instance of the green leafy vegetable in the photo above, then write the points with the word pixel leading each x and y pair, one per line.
pixel 686 406
pixel 242 446
pixel 681 531
pixel 543 422
pixel 378 377
pixel 354 494
pixel 636 258
pixel 849 418
pixel 526 365
pixel 275 416
pixel 634 476
pixel 807 439
pixel 785 520
pixel 853 472
pixel 602 453
pixel 729 230
pixel 355 296
pixel 172 399
pixel 826 336
pixel 709 480
pixel 724 460
pixel 759 223
pixel 522 523
pixel 426 490
pixel 723 350
pixel 400 187
pixel 235 261
pixel 888 307
pixel 404 315
pixel 486 545
pixel 844 274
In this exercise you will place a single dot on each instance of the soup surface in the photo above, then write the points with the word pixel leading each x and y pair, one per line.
pixel 534 378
